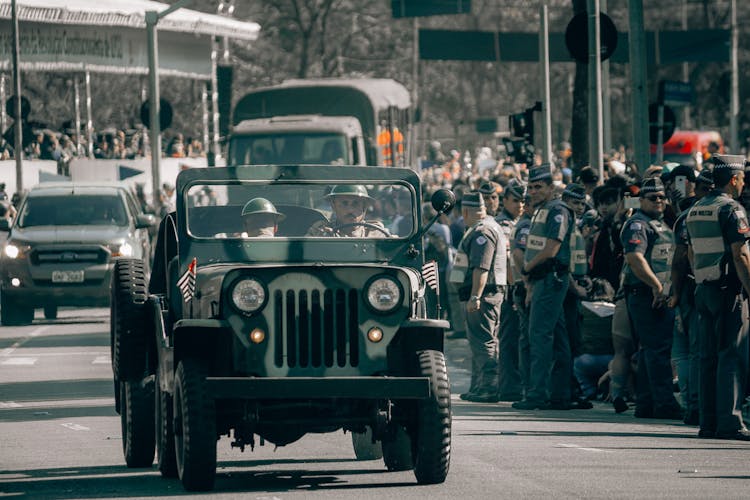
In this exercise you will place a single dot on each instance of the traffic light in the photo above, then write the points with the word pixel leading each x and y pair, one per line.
pixel 522 125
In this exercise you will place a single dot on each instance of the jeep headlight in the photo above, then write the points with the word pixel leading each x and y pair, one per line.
pixel 383 294
pixel 248 295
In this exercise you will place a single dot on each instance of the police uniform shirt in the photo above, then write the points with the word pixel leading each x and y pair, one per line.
pixel 732 220
pixel 480 248
pixel 639 236
pixel 681 236
pixel 520 233
pixel 557 226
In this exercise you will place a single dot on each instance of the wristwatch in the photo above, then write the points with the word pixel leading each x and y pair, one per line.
pixel 475 298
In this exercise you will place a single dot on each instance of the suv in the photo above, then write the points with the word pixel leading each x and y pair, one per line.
pixel 281 336
pixel 61 247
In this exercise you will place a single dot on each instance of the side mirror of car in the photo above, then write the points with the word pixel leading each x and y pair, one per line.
pixel 4 224
pixel 145 221
pixel 443 200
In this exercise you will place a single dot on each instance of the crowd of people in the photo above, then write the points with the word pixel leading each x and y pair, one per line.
pixel 47 144
pixel 630 289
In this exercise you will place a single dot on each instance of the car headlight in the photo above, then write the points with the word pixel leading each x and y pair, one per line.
pixel 383 294
pixel 121 249
pixel 16 251
pixel 248 295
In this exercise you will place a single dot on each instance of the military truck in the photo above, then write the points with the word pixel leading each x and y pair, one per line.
pixel 267 339
pixel 381 106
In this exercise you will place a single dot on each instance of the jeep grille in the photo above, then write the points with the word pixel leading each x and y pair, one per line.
pixel 316 330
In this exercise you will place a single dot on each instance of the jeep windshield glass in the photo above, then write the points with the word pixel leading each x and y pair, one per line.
pixel 290 149
pixel 73 210
pixel 301 210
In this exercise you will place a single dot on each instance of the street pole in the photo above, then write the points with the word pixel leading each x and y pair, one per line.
pixel 3 97
pixel 545 83
pixel 412 138
pixel 215 147
pixel 639 95
pixel 686 122
pixel 595 89
pixel 606 101
pixel 735 98
pixel 152 18
pixel 18 146
pixel 77 101
pixel 89 118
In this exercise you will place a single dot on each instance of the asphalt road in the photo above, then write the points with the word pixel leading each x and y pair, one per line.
pixel 60 438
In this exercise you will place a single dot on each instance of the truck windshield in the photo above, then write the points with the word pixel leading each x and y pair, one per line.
pixel 301 210
pixel 290 148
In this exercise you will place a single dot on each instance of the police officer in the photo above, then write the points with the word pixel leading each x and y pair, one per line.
pixel 480 268
pixel 718 232
pixel 349 203
pixel 491 192
pixel 546 266
pixel 260 218
pixel 574 196
pixel 518 239
pixel 685 346
pixel 648 244
pixel 508 337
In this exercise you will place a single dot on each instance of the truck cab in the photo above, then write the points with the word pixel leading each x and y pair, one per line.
pixel 300 139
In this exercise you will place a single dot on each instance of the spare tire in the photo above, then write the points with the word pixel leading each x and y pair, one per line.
pixel 129 320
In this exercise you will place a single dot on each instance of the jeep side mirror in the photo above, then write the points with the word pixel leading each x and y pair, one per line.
pixel 443 200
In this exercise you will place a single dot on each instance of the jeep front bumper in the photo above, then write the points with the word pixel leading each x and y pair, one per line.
pixel 318 388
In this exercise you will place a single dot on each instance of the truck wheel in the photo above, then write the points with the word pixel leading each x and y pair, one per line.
pixel 432 450
pixel 165 451
pixel 50 312
pixel 364 448
pixel 128 325
pixel 137 421
pixel 195 427
pixel 14 314
pixel 397 452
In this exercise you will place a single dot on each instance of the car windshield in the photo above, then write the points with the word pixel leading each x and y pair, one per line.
pixel 73 210
pixel 301 210
pixel 290 148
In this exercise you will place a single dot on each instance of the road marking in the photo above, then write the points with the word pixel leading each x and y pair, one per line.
pixel 582 448
pixel 75 427
pixel 34 333
pixel 9 404
pixel 101 360
pixel 19 361
pixel 65 403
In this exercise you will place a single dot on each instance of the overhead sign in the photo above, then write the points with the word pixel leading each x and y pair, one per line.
pixel 577 37
pixel 673 93
pixel 419 8
pixel 69 47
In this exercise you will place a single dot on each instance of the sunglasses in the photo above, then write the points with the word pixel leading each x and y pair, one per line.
pixel 656 197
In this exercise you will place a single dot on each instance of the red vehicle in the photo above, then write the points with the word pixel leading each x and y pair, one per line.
pixel 685 145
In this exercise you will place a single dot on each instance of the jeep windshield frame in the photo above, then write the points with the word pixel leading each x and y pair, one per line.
pixel 206 238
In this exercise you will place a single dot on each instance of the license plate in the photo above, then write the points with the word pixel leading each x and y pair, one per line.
pixel 67 276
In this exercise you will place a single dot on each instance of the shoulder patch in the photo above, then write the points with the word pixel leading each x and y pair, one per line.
pixel 636 226
pixel 559 218
pixel 481 240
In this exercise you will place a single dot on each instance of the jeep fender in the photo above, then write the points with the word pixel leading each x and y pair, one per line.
pixel 415 335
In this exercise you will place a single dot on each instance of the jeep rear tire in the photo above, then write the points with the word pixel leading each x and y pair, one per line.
pixel 14 314
pixel 432 433
pixel 364 448
pixel 195 427
pixel 397 451
pixel 128 320
pixel 137 422
pixel 165 450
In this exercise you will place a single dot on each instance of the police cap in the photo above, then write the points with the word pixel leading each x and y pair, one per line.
pixel 473 200
pixel 543 171
pixel 516 188
pixel 575 191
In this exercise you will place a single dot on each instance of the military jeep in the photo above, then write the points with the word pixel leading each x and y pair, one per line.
pixel 270 338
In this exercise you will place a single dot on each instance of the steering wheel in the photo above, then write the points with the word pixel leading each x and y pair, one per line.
pixel 368 225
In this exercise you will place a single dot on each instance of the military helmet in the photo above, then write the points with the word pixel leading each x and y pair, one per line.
pixel 356 190
pixel 258 206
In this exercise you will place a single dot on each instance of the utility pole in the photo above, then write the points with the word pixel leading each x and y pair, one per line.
pixel 18 146
pixel 639 95
pixel 545 90
pixel 606 101
pixel 595 88
pixel 152 18
pixel 735 98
